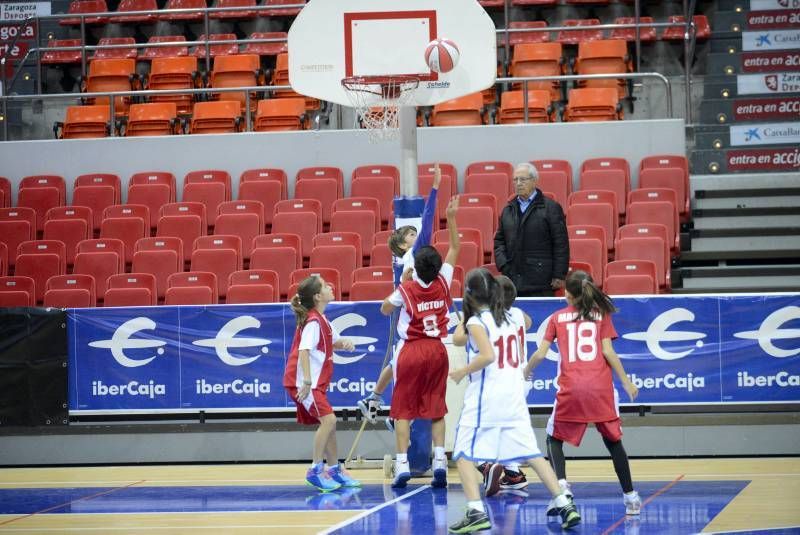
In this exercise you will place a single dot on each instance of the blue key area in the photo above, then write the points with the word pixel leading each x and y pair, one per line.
pixel 686 507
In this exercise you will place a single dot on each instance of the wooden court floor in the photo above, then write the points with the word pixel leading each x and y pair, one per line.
pixel 769 498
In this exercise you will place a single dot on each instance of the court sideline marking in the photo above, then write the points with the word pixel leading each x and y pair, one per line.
pixel 655 495
pixel 373 510
pixel 59 506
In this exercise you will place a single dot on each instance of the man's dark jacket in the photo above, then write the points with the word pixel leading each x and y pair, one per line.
pixel 532 248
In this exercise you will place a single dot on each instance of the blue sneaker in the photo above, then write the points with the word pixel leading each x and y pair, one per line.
pixel 338 474
pixel 319 478
pixel 402 474
pixel 439 474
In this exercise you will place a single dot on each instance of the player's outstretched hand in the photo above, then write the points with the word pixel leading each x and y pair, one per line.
pixel 452 207
pixel 458 375
pixel 437 175
pixel 407 275
pixel 631 389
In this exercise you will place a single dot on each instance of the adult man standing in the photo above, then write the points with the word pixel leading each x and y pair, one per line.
pixel 531 246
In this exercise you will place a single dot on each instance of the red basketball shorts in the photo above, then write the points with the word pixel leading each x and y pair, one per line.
pixel 572 432
pixel 420 381
pixel 311 409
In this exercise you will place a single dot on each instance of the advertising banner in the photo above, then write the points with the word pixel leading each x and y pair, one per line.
pixel 774 159
pixel 677 350
pixel 765 134
pixel 767 20
pixel 780 61
pixel 757 84
pixel 9 32
pixel 771 40
pixel 17 11
pixel 759 109
pixel 774 4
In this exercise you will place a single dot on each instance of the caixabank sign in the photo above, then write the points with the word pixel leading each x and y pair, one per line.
pixel 677 350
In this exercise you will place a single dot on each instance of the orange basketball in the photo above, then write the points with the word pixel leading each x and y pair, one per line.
pixel 442 55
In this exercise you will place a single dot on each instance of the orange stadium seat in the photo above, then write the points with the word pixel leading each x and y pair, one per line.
pixel 174 73
pixel 161 257
pixel 84 122
pixel 70 291
pixel 462 111
pixel 279 114
pixel 239 70
pixel 153 52
pixel 593 104
pixel 252 286
pixel 131 290
pixel 68 224
pixel 153 119
pixel 538 59
pixel 191 288
pixel 136 5
pixel 540 107
pixel 220 117
pixel 17 292
pixel 112 75
pixel 603 57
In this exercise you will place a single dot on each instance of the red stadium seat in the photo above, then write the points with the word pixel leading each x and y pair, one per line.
pixel 219 254
pixel 595 196
pixel 587 232
pixel 342 258
pixel 323 190
pixel 100 259
pixel 280 253
pixel 592 252
pixel 638 268
pixel 595 214
pixel 152 196
pixel 282 12
pixel 265 192
pixel 40 260
pixel 366 171
pixel 80 7
pixel 68 224
pixel 497 184
pixel 266 174
pixel 609 174
pixel 302 205
pixel 467 257
pixel 239 14
pixel 555 176
pixel 322 172
pixel 210 187
pixel 467 237
pixel 341 238
pixel 653 249
pixel 131 290
pixel 252 286
pixel 224 49
pixel 191 288
pixel 95 198
pixel 41 192
pixel 243 219
pixel 159 256
pixel 154 52
pixel 155 177
pixel 361 222
pixel 371 290
pixel 676 33
pixel 184 220
pixel 267 49
pixel 304 224
pixel 660 212
pixel 646 230
pixel 5 192
pixel 3 260
pixel 17 292
pixel 136 5
pixel 668 171
pixel 357 204
pixel 116 53
pixel 61 57
pixel 330 275
pixel 646 33
pixel 128 223
pixel 518 38
pixel 653 194
pixel 491 167
pixel 70 291
pixel 482 219
pixel 380 255
pixel 374 274
pixel 629 285
pixel 16 226
pixel 472 200
pixel 183 4
pixel 574 37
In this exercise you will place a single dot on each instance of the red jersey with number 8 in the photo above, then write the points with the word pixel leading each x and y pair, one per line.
pixel 585 386
pixel 427 309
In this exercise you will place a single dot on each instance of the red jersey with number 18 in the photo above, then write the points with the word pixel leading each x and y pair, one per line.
pixel 427 309
pixel 585 386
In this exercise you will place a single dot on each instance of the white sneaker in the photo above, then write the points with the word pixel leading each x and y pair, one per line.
pixel 633 503
pixel 402 474
pixel 552 508
pixel 439 474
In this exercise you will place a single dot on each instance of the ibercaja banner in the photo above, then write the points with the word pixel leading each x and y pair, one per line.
pixel 712 349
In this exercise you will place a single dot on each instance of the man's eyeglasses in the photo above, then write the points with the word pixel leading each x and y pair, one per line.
pixel 522 178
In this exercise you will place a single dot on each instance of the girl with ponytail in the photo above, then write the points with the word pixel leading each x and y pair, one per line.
pixel 495 426
pixel 585 389
pixel 309 368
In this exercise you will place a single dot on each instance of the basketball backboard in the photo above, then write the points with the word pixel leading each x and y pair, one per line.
pixel 334 39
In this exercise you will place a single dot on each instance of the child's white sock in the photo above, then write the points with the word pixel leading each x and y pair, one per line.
pixel 438 453
pixel 477 504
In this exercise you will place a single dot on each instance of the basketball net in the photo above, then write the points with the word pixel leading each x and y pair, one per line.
pixel 377 100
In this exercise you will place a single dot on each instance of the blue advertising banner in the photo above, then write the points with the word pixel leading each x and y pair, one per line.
pixel 677 350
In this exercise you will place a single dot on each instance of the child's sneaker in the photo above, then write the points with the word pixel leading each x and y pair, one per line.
pixel 402 474
pixel 511 480
pixel 370 406
pixel 319 478
pixel 633 503
pixel 491 478
pixel 439 474
pixel 552 508
pixel 569 515
pixel 473 520
pixel 389 424
pixel 338 474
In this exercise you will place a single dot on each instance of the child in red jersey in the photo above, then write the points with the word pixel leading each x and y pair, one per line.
pixel 585 389
pixel 308 373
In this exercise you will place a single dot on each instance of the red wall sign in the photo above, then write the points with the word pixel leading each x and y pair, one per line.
pixel 778 61
pixel 782 159
pixel 758 109
pixel 768 20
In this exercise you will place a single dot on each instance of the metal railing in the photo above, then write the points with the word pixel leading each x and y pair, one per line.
pixel 249 90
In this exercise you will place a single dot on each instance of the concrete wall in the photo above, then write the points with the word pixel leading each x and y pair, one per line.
pixel 346 149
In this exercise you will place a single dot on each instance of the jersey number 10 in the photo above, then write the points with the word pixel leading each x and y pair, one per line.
pixel 507 351
pixel 582 341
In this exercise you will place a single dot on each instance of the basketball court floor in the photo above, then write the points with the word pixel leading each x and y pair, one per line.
pixel 681 496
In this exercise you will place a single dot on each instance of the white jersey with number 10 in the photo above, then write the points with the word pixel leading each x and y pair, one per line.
pixel 495 395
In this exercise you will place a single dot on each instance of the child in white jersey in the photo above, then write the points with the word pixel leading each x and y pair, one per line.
pixel 495 425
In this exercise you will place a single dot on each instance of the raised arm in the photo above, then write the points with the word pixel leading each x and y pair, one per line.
pixel 452 229
pixel 429 212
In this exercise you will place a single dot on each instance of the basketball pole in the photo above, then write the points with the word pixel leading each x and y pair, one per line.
pixel 407 116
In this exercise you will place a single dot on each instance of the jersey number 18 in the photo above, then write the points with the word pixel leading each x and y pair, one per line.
pixel 582 338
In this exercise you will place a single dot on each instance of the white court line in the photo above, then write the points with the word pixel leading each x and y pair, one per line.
pixel 751 530
pixel 186 513
pixel 373 510
pixel 140 528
